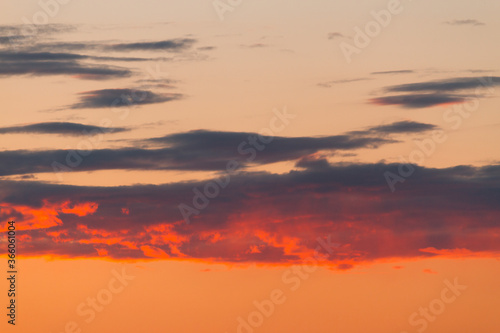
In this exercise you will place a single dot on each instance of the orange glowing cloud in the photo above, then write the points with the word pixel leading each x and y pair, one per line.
pixel 79 209
pixel 153 252
pixel 47 216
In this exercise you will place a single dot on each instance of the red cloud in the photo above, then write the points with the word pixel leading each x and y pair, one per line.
pixel 274 219
pixel 46 216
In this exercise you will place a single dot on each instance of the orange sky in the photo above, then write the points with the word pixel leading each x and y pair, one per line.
pixel 187 297
pixel 211 148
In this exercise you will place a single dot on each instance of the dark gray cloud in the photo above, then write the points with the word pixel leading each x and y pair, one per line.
pixel 62 128
pixel 38 56
pixel 465 22
pixel 106 98
pixel 84 60
pixel 419 100
pixel 195 150
pixel 448 85
pixel 173 45
pixel 58 56
pixel 13 39
pixel 313 163
pixel 74 68
pixel 400 127
pixel 65 46
pixel 24 36
pixel 213 145
pixel 403 127
pixel 437 92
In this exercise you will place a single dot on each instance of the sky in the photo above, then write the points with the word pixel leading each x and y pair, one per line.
pixel 251 166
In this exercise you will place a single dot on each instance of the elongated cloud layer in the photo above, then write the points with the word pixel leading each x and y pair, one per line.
pixel 419 100
pixel 106 98
pixel 195 150
pixel 39 29
pixel 25 53
pixel 58 56
pixel 402 71
pixel 171 45
pixel 465 22
pixel 399 127
pixel 403 127
pixel 448 85
pixel 63 128
pixel 439 92
pixel 39 68
pixel 269 218
pixel 165 45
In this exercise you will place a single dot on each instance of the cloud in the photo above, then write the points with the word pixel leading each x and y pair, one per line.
pixel 261 217
pixel 330 84
pixel 403 127
pixel 73 68
pixel 255 45
pixel 38 29
pixel 448 85
pixel 404 71
pixel 12 39
pixel 53 56
pixel 195 150
pixel 106 98
pixel 199 150
pixel 83 60
pixel 177 46
pixel 173 45
pixel 156 83
pixel 313 163
pixel 62 128
pixel 58 58
pixel 23 36
pixel 465 22
pixel 206 48
pixel 438 92
pixel 39 56
pixel 334 35
pixel 217 147
pixel 419 100
pixel 65 46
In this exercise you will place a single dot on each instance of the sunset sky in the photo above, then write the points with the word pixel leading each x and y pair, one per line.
pixel 251 166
